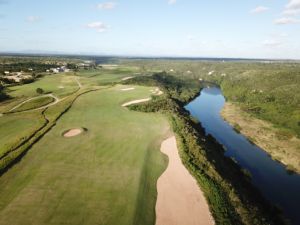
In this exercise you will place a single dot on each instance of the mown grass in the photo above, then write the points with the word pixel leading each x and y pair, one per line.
pixel 106 175
pixel 14 128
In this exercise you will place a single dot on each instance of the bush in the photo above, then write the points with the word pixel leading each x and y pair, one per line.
pixel 39 91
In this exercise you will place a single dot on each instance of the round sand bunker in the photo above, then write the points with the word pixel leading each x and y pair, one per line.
pixel 73 132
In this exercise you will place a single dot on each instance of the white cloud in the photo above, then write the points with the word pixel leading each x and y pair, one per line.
pixel 33 19
pixel 272 43
pixel 259 9
pixel 107 5
pixel 98 26
pixel 191 37
pixel 172 2
pixel 292 8
pixel 286 20
pixel 279 35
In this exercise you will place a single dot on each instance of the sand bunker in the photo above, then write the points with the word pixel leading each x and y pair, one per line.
pixel 157 91
pixel 128 89
pixel 73 132
pixel 180 200
pixel 136 101
pixel 127 78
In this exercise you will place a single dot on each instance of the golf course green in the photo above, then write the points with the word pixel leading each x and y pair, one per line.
pixel 104 175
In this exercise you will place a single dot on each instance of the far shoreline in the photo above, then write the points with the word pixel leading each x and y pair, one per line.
pixel 264 135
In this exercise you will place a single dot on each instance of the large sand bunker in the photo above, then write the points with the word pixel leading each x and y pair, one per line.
pixel 136 101
pixel 127 78
pixel 180 200
pixel 73 132
pixel 128 89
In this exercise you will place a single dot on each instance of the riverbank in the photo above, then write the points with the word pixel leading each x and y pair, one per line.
pixel 281 148
pixel 179 199
pixel 227 187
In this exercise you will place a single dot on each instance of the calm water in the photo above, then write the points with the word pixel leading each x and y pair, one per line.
pixel 269 176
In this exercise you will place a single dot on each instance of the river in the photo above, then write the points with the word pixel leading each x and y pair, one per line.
pixel 269 176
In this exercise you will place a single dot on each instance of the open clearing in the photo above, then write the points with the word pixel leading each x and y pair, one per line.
pixel 107 176
pixel 179 200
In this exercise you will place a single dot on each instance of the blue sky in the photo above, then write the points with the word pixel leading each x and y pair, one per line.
pixel 195 28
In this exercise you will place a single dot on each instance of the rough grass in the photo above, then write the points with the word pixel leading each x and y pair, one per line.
pixel 104 176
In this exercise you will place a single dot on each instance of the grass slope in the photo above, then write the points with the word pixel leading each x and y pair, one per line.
pixel 16 127
pixel 104 176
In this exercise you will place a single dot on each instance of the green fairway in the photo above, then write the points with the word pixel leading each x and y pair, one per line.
pixel 106 76
pixel 106 175
pixel 16 127
pixel 59 84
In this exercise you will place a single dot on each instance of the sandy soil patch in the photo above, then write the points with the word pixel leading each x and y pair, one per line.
pixel 180 200
pixel 73 132
pixel 128 89
pixel 127 78
pixel 156 91
pixel 136 101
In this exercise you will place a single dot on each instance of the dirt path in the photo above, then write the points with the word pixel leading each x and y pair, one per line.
pixel 78 82
pixel 180 200
pixel 56 100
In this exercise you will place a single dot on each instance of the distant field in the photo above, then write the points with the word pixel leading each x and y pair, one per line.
pixel 105 175
pixel 106 76
pixel 59 84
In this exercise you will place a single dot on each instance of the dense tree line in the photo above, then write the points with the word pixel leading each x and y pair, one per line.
pixel 26 67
